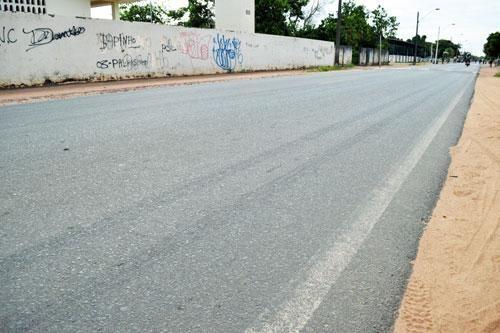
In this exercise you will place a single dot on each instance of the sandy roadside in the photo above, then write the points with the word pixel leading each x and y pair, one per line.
pixel 455 284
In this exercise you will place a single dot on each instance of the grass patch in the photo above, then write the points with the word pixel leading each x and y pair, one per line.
pixel 330 68
pixel 497 74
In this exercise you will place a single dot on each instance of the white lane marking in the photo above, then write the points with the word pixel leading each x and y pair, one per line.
pixel 294 313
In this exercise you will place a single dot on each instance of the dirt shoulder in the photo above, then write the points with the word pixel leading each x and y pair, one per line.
pixel 455 284
pixel 61 91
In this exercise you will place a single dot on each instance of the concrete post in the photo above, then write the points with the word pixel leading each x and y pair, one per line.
pixel 337 33
pixel 115 10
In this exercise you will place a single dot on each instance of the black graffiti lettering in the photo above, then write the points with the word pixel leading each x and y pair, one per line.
pixel 39 36
pixel 103 64
pixel 74 31
pixel 44 36
pixel 121 41
pixel 7 36
pixel 169 47
pixel 127 62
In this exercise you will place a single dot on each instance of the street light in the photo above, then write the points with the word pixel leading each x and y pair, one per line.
pixel 437 43
pixel 416 34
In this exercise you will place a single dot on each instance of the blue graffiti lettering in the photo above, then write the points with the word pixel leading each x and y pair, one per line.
pixel 226 52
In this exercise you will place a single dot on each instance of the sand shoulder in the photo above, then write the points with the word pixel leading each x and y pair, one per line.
pixel 455 284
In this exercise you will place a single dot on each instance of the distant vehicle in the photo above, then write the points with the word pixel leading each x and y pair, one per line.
pixel 467 57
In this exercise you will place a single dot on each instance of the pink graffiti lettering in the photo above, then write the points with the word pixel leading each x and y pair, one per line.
pixel 194 45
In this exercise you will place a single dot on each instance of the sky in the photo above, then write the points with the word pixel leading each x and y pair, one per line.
pixel 474 20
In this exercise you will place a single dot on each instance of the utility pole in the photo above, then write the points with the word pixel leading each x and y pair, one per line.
pixel 337 35
pixel 151 9
pixel 437 46
pixel 416 38
pixel 379 49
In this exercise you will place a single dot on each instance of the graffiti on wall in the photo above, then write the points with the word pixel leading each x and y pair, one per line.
pixel 44 36
pixel 227 52
pixel 121 42
pixel 128 62
pixel 194 45
pixel 87 49
pixel 168 46
pixel 7 36
pixel 161 60
pixel 322 52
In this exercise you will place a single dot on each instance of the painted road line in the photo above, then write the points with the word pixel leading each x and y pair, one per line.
pixel 295 312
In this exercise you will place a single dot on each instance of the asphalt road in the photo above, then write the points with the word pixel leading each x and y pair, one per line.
pixel 278 204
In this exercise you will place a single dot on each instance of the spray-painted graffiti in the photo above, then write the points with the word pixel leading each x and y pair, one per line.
pixel 168 46
pixel 7 36
pixel 322 52
pixel 44 36
pixel 127 63
pixel 227 52
pixel 194 45
pixel 161 60
pixel 120 41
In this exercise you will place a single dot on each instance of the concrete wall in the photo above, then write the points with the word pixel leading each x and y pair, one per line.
pixel 369 56
pixel 365 56
pixel 399 58
pixel 38 48
pixel 235 15
pixel 345 55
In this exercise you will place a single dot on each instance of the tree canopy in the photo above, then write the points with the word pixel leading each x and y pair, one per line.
pixel 270 16
pixel 448 46
pixel 492 46
pixel 142 13
pixel 383 24
pixel 200 14
pixel 197 14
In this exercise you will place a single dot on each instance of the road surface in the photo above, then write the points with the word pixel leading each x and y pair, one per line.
pixel 271 205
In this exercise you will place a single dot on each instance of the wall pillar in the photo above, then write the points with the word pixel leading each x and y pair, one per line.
pixel 115 10
pixel 235 15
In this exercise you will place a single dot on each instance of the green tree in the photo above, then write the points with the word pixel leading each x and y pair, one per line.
pixel 492 46
pixel 445 44
pixel 200 14
pixel 295 15
pixel 448 53
pixel 285 17
pixel 142 13
pixel 271 16
pixel 356 28
pixel 384 24
pixel 356 31
pixel 424 47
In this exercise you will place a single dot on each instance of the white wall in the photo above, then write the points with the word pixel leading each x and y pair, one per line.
pixel 235 15
pixel 69 7
pixel 39 48
pixel 345 55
